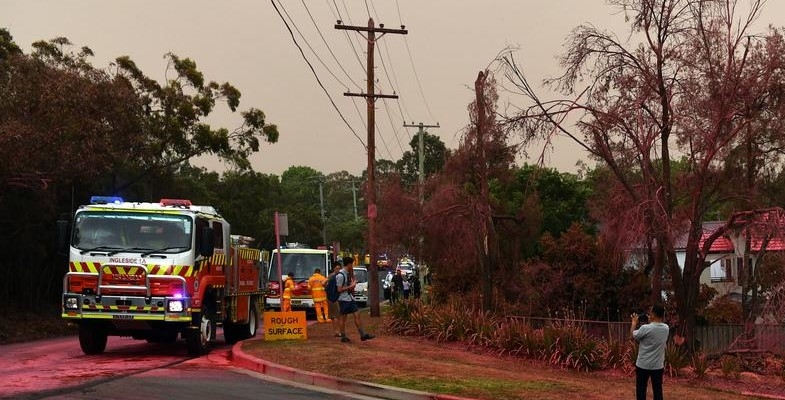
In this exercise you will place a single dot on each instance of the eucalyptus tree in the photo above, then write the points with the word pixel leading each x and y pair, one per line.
pixel 434 155
pixel 69 129
pixel 300 201
pixel 344 201
pixel 62 125
pixel 692 81
pixel 174 112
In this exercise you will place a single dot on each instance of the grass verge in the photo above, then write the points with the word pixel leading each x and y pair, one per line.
pixel 424 365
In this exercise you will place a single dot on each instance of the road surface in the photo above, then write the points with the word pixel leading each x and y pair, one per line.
pixel 133 369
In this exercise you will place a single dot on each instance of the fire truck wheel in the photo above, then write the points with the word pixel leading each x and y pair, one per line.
pixel 198 338
pixel 253 323
pixel 246 331
pixel 92 338
pixel 234 333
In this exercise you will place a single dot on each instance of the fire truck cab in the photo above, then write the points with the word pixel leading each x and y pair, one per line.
pixel 301 261
pixel 158 271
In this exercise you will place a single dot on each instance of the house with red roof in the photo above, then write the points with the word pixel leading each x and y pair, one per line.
pixel 747 233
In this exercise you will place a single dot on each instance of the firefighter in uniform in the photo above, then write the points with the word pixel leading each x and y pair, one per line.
pixel 316 285
pixel 288 290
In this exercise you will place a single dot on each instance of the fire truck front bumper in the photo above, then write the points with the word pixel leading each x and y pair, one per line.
pixel 168 309
pixel 297 303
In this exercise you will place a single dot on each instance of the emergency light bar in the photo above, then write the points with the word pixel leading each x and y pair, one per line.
pixel 106 200
pixel 176 202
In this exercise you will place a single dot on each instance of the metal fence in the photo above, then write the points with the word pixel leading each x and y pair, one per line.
pixel 710 339
pixel 718 339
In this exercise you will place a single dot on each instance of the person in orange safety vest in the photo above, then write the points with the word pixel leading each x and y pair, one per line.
pixel 316 285
pixel 288 290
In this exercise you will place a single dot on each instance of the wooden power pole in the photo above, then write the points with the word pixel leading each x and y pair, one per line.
pixel 420 180
pixel 421 152
pixel 370 97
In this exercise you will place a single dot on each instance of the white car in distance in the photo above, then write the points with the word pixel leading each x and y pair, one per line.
pixel 361 290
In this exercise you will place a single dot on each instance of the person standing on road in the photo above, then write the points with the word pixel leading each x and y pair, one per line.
pixel 416 287
pixel 651 339
pixel 332 306
pixel 397 286
pixel 288 291
pixel 406 288
pixel 346 282
pixel 388 285
pixel 316 285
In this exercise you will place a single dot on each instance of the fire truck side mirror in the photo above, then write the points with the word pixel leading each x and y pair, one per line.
pixel 206 244
pixel 62 237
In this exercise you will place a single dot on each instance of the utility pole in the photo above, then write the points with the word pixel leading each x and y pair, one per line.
pixel 421 151
pixel 321 206
pixel 420 180
pixel 370 98
pixel 354 197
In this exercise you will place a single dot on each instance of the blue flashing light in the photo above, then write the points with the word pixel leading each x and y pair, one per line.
pixel 106 200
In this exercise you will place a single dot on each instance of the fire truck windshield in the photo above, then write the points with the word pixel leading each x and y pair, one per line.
pixel 301 264
pixel 138 232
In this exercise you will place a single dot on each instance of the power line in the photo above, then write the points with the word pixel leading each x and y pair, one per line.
pixel 417 78
pixel 328 45
pixel 384 66
pixel 397 85
pixel 360 114
pixel 315 74
pixel 310 47
pixel 411 60
pixel 384 142
pixel 367 9
pixel 348 38
pixel 392 85
pixel 392 126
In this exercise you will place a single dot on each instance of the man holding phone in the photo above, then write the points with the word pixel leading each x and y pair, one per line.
pixel 651 338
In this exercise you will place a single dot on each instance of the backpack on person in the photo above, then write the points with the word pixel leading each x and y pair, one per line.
pixel 332 287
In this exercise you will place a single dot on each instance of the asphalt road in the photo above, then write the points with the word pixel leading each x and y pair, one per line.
pixel 133 369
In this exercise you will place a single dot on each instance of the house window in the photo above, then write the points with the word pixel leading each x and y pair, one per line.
pixel 723 270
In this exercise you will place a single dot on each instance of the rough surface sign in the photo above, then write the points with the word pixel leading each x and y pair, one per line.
pixel 285 325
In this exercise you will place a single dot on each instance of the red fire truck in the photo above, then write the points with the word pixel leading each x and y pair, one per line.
pixel 158 271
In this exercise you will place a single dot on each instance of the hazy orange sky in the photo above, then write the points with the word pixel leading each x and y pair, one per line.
pixel 246 43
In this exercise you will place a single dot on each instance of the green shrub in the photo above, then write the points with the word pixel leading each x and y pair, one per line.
pixel 730 366
pixel 616 355
pixel 564 344
pixel 510 337
pixel 675 359
pixel 482 328
pixel 577 350
pixel 700 364
pixel 584 355
pixel 533 343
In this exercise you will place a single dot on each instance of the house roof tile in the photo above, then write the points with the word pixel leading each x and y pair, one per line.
pixel 723 244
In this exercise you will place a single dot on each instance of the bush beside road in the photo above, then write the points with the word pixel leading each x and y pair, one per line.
pixel 423 365
pixel 419 364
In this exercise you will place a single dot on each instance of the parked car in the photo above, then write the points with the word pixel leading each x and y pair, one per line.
pixel 361 290
pixel 407 267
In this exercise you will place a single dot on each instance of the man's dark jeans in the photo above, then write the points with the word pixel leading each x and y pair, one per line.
pixel 642 382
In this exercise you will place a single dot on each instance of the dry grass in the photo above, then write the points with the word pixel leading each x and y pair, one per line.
pixel 420 364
